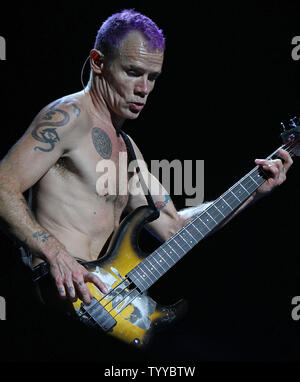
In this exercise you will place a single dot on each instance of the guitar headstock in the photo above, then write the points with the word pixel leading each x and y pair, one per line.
pixel 291 137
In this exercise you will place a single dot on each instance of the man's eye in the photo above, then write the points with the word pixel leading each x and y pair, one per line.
pixel 133 73
pixel 153 78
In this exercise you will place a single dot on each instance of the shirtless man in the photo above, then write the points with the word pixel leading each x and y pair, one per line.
pixel 57 157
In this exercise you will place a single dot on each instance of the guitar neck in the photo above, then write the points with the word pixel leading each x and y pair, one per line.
pixel 169 253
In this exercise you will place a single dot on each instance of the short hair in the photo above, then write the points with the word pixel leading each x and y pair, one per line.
pixel 116 27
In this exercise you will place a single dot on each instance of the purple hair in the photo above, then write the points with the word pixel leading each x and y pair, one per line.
pixel 116 27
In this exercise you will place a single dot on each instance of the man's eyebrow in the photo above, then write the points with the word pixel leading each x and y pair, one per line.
pixel 141 69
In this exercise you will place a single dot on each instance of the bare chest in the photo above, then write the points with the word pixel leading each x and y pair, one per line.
pixel 98 163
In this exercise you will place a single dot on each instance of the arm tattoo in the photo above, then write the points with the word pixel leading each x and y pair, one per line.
pixel 41 235
pixel 49 135
pixel 161 205
pixel 102 142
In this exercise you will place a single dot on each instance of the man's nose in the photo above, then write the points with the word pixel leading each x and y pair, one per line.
pixel 142 87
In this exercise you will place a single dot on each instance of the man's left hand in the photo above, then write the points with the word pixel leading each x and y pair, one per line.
pixel 277 170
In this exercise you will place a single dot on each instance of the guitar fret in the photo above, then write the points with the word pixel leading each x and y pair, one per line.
pixel 253 180
pixel 178 246
pixel 235 197
pixel 140 282
pixel 239 193
pixel 150 270
pixel 197 229
pixel 185 240
pixel 218 214
pixel 153 268
pixel 223 207
pixel 233 202
pixel 227 204
pixel 245 189
pixel 196 232
pixel 205 225
pixel 213 220
pixel 170 257
pixel 191 237
pixel 211 216
pixel 160 261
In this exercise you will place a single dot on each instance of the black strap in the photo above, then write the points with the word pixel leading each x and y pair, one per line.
pixel 132 157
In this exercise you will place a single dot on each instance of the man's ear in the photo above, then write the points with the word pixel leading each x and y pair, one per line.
pixel 96 60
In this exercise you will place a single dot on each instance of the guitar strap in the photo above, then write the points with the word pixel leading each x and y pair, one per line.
pixel 132 157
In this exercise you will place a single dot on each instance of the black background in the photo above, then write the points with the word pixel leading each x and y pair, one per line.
pixel 228 81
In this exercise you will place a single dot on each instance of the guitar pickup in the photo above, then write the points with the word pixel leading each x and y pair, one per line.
pixel 100 316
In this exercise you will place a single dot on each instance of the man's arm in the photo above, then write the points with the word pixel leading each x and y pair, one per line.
pixel 171 220
pixel 46 139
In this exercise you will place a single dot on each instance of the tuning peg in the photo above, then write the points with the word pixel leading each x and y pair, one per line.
pixel 293 122
pixel 283 127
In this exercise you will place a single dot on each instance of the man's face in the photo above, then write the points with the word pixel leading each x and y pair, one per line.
pixel 130 77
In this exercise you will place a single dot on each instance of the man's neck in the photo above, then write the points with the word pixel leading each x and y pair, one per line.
pixel 100 107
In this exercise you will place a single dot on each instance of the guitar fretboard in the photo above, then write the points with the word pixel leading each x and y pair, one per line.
pixel 169 253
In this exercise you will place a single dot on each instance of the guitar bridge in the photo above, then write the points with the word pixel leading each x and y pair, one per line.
pixel 96 314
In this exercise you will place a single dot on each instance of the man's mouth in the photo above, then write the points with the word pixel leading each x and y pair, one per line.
pixel 136 106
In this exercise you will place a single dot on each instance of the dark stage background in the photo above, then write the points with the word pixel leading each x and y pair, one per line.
pixel 228 81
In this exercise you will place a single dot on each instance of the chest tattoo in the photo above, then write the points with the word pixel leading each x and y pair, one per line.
pixel 102 142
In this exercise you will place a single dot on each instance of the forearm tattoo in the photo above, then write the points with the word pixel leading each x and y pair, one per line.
pixel 45 132
pixel 43 236
pixel 161 205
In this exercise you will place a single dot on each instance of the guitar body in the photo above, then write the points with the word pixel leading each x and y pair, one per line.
pixel 125 312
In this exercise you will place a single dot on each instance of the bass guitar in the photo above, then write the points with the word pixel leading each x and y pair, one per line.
pixel 127 312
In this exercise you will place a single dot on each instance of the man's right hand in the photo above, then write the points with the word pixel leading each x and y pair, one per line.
pixel 71 277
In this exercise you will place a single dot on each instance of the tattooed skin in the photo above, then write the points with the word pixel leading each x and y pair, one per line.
pixel 41 235
pixel 76 109
pixel 102 142
pixel 161 205
pixel 48 135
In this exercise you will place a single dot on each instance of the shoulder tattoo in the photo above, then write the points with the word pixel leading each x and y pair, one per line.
pixel 102 142
pixel 45 131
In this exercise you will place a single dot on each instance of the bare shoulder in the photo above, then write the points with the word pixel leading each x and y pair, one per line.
pixel 62 111
pixel 57 121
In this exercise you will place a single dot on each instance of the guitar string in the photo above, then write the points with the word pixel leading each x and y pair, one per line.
pixel 292 143
pixel 134 289
pixel 105 295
